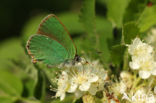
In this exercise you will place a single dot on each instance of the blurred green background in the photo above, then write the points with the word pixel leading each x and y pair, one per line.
pixel 15 13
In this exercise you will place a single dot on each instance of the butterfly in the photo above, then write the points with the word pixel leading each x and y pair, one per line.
pixel 52 43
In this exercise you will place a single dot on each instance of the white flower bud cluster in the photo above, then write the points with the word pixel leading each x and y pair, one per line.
pixel 142 58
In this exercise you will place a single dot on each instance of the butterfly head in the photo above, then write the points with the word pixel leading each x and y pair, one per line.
pixel 79 59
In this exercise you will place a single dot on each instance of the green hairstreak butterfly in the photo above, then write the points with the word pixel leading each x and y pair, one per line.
pixel 52 43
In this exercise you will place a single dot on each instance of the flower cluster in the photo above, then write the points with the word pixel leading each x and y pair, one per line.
pixel 85 79
pixel 80 79
pixel 141 96
pixel 142 58
pixel 129 91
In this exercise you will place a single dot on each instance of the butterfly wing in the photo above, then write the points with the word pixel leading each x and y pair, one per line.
pixel 47 50
pixel 52 27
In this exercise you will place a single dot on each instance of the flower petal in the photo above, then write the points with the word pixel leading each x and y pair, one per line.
pixel 93 78
pixel 151 98
pixel 85 86
pixel 62 96
pixel 134 65
pixel 144 74
pixel 154 71
pixel 72 88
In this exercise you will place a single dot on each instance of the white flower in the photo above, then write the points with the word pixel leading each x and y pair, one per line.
pixel 139 49
pixel 140 96
pixel 127 79
pixel 143 97
pixel 62 85
pixel 82 78
pixel 147 68
pixel 123 87
pixel 142 58
pixel 125 83
pixel 119 88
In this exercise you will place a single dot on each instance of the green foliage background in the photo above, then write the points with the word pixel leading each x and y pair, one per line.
pixel 100 37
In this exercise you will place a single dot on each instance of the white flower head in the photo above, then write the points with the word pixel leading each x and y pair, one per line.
pixel 142 58
pixel 139 49
pixel 140 96
pixel 82 78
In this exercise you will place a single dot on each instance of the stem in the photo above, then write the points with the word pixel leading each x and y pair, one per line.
pixel 125 62
pixel 151 82
pixel 136 82
pixel 42 79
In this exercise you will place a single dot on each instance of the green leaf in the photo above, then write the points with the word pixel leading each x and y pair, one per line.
pixel 117 54
pixel 104 38
pixel 25 70
pixel 10 84
pixel 10 49
pixel 12 57
pixel 87 16
pixel 147 19
pixel 116 10
pixel 130 31
pixel 134 10
pixel 6 99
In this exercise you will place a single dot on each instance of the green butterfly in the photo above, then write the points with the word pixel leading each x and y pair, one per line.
pixel 52 43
